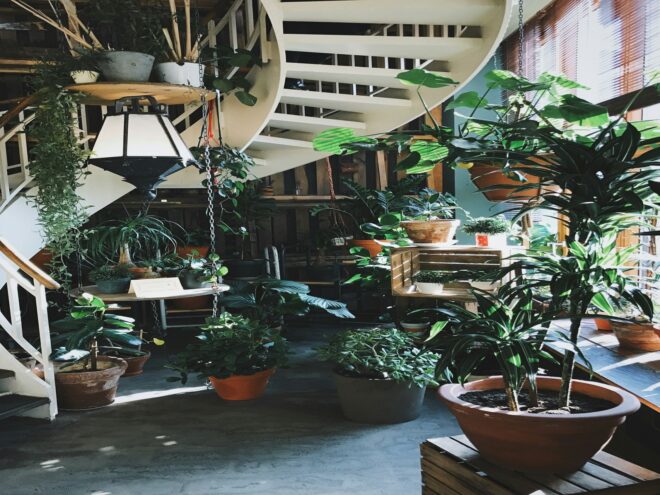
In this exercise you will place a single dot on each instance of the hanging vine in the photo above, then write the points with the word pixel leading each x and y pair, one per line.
pixel 57 167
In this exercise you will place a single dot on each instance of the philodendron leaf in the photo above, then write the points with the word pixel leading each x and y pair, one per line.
pixel 224 85
pixel 421 77
pixel 437 327
pixel 331 140
pixel 470 99
pixel 573 109
pixel 560 80
pixel 508 80
pixel 246 98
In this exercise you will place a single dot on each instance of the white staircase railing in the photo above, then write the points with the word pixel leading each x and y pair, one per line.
pixel 35 282
pixel 14 176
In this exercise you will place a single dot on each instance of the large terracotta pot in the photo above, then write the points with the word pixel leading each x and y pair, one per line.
pixel 637 336
pixel 603 324
pixel 184 251
pixel 242 387
pixel 135 364
pixel 486 175
pixel 90 389
pixel 369 244
pixel 432 231
pixel 547 443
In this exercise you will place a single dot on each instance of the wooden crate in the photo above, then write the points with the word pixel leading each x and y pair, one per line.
pixel 452 466
pixel 407 262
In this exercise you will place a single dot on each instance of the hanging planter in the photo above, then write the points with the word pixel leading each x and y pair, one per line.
pixel 487 177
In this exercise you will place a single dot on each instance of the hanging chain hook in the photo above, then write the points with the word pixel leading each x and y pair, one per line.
pixel 521 36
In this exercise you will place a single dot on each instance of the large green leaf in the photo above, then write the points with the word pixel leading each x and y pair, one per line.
pixel 421 77
pixel 469 99
pixel 574 109
pixel 505 79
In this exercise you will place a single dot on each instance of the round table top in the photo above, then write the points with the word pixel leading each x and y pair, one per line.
pixel 126 297
pixel 106 93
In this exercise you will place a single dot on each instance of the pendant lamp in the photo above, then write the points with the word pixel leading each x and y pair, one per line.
pixel 141 146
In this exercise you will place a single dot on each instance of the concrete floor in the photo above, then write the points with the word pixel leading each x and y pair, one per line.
pixel 161 438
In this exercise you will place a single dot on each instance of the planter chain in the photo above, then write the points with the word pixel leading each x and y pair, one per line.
pixel 521 36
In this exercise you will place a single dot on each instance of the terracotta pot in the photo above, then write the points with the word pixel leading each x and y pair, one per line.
pixel 192 303
pixel 603 325
pixel 242 387
pixel 486 175
pixel 184 251
pixel 136 364
pixel 432 231
pixel 80 390
pixel 638 336
pixel 369 244
pixel 547 443
pixel 138 272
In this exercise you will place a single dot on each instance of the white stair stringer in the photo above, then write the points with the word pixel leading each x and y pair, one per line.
pixel 390 104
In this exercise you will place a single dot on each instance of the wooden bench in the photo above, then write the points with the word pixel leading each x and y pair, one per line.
pixel 452 466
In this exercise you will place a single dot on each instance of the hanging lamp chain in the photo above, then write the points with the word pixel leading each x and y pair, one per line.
pixel 521 36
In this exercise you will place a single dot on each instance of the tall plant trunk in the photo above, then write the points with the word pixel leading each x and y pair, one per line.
pixel 93 355
pixel 512 399
pixel 568 364
pixel 125 256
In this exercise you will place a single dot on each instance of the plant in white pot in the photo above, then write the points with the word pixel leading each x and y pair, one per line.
pixel 381 374
pixel 488 231
pixel 432 281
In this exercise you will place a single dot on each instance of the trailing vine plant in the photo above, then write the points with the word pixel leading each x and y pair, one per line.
pixel 57 167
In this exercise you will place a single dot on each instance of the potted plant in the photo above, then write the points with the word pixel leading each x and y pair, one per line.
pixel 428 218
pixel 432 281
pixel 416 323
pixel 201 272
pixel 381 375
pixel 238 355
pixel 517 420
pixel 268 301
pixel 194 240
pixel 634 330
pixel 86 379
pixel 111 279
pixel 488 231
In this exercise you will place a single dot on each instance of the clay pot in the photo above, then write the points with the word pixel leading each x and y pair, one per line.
pixel 546 443
pixel 432 231
pixel 486 175
pixel 374 401
pixel 139 272
pixel 369 244
pixel 242 387
pixel 184 251
pixel 603 325
pixel 637 336
pixel 135 364
pixel 80 390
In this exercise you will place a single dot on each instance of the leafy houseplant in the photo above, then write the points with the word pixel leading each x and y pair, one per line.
pixel 111 279
pixel 432 281
pixel 86 379
pixel 633 329
pixel 428 217
pixel 236 353
pixel 201 272
pixel 268 300
pixel 488 231
pixel 381 375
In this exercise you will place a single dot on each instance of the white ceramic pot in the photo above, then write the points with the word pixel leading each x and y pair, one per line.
pixel 429 287
pixel 414 327
pixel 84 76
pixel 120 66
pixel 490 240
pixel 186 74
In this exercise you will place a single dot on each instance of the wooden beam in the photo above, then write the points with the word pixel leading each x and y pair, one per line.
pixel 18 61
pixel 22 26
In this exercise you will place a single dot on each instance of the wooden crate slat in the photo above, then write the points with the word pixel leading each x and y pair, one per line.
pixel 607 475
pixel 624 467
pixel 586 481
pixel 468 476
pixel 508 478
pixel 439 487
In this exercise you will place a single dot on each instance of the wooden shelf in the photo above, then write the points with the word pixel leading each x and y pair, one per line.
pixel 302 198
pixel 106 93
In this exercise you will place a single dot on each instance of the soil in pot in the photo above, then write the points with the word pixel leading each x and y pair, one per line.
pixel 432 231
pixel 548 402
pixel 369 244
pixel 242 387
pixel 79 390
pixel 643 337
pixel 539 442
pixel 116 286
pixel 377 401
pixel 135 364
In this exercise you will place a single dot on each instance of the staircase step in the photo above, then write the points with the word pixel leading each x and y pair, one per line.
pixel 6 374
pixel 263 143
pixel 465 12
pixel 369 76
pixel 301 123
pixel 383 46
pixel 335 101
pixel 13 404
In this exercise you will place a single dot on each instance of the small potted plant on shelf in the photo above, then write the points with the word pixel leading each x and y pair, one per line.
pixel 238 355
pixel 432 281
pixel 194 240
pixel 488 231
pixel 428 218
pixel 380 373
pixel 111 279
pixel 637 331
pixel 416 323
pixel 86 379
pixel 200 272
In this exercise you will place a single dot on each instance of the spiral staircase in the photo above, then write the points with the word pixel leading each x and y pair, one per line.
pixel 324 64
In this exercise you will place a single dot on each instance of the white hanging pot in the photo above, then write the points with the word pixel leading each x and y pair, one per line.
pixel 186 74
pixel 84 76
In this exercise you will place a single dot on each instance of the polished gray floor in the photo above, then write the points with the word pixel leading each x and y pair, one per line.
pixel 162 438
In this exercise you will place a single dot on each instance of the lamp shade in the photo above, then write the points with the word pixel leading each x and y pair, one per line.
pixel 144 148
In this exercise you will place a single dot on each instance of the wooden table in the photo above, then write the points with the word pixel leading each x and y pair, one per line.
pixel 636 372
pixel 452 466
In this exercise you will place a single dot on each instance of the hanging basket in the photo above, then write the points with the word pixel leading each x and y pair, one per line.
pixel 486 175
